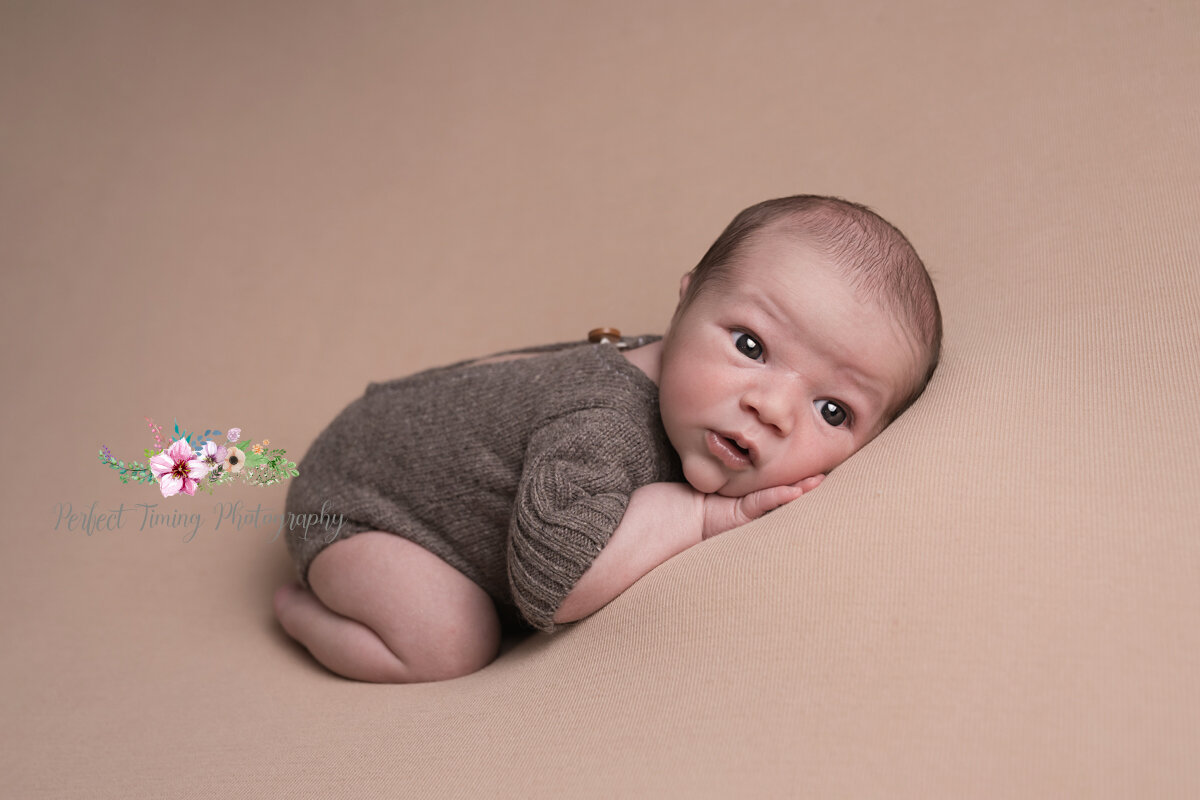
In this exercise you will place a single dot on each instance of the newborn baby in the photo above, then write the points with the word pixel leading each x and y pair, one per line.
pixel 527 490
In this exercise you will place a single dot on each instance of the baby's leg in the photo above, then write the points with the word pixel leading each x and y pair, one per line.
pixel 386 610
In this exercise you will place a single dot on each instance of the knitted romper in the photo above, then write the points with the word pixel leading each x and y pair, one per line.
pixel 515 473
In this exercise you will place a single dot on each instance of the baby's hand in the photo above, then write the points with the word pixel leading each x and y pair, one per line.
pixel 725 513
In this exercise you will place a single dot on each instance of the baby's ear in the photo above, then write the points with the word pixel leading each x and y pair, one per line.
pixel 684 282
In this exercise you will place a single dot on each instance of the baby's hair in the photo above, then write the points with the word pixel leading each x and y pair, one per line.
pixel 867 250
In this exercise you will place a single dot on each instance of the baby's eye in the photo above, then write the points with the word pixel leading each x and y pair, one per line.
pixel 832 413
pixel 747 345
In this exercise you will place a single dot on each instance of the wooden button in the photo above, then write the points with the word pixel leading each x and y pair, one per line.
pixel 606 335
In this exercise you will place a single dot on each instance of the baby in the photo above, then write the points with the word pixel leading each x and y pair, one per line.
pixel 529 489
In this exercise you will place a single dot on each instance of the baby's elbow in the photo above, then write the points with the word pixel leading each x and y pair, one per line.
pixel 571 610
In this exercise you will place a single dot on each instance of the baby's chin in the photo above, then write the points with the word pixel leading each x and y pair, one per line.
pixel 732 489
pixel 707 483
pixel 705 479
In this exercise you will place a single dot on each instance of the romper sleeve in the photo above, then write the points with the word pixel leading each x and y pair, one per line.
pixel 579 473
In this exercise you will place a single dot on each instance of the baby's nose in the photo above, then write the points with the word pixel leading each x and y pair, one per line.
pixel 774 409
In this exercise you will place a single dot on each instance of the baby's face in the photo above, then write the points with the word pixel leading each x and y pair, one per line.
pixel 780 375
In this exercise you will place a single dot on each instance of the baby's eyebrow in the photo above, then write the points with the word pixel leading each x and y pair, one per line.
pixel 868 388
pixel 771 308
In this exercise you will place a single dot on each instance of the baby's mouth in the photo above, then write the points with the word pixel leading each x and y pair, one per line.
pixel 726 450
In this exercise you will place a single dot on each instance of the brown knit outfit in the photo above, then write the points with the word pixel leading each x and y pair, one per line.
pixel 516 473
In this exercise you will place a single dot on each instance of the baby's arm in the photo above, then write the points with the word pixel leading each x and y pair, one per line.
pixel 663 520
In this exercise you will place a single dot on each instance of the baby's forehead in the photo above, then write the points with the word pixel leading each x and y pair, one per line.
pixel 813 298
pixel 774 260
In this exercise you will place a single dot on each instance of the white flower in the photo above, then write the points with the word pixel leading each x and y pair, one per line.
pixel 212 454
pixel 235 460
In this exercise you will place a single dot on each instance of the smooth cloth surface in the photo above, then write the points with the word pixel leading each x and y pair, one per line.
pixel 236 214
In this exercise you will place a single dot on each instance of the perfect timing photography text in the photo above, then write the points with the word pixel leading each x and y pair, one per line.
pixel 231 516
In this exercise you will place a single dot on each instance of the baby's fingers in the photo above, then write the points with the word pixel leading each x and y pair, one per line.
pixel 724 513
pixel 808 484
pixel 755 504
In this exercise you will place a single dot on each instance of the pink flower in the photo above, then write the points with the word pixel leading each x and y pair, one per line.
pixel 177 469
pixel 234 434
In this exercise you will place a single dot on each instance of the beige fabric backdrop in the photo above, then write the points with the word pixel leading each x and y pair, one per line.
pixel 238 214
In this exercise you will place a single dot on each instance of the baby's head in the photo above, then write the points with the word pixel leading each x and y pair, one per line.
pixel 806 329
